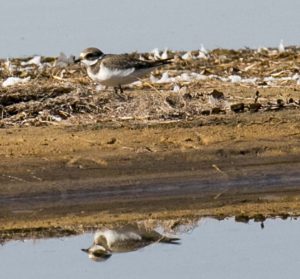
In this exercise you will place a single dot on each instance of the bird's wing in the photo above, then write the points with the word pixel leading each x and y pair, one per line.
pixel 147 235
pixel 126 61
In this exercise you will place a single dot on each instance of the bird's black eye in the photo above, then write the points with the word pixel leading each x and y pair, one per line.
pixel 90 56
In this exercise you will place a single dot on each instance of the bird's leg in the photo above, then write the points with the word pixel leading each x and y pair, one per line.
pixel 120 95
pixel 120 88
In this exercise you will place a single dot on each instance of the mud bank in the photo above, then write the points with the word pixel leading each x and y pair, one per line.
pixel 57 178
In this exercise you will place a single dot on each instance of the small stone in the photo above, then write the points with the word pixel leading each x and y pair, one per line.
pixel 187 96
pixel 284 216
pixel 217 94
pixel 262 83
pixel 63 114
pixel 215 110
pixel 205 112
pixel 242 218
pixel 238 107
pixel 280 103
pixel 254 107
pixel 174 101
pixel 112 141
pixel 259 218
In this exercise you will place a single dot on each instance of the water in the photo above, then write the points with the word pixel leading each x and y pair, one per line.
pixel 213 250
pixel 46 27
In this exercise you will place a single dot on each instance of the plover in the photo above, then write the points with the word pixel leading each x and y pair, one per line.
pixel 115 70
pixel 97 253
pixel 126 239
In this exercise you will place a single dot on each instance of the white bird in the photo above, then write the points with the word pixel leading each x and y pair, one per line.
pixel 164 55
pixel 201 55
pixel 11 81
pixel 126 239
pixel 9 66
pixel 36 60
pixel 63 60
pixel 203 49
pixel 176 88
pixel 187 56
pixel 164 78
pixel 115 70
pixel 156 54
pixel 281 47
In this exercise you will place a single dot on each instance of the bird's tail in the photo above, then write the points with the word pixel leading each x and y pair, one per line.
pixel 170 240
pixel 162 62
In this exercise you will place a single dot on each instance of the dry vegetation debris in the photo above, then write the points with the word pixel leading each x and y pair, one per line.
pixel 45 90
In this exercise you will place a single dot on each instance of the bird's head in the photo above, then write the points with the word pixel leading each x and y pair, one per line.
pixel 89 56
pixel 98 253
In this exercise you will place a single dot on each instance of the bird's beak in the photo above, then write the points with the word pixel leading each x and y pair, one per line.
pixel 85 250
pixel 77 60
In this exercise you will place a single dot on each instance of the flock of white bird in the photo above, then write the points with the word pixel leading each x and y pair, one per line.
pixel 155 54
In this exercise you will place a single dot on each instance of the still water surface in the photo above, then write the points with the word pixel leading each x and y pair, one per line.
pixel 46 27
pixel 214 249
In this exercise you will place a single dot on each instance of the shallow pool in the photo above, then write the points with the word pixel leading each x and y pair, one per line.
pixel 214 249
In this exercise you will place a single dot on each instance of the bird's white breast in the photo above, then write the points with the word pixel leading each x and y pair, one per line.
pixel 112 77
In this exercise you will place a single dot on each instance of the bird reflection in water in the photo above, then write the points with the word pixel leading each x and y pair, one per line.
pixel 124 239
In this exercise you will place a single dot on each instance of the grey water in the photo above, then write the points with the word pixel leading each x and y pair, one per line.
pixel 214 249
pixel 46 27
